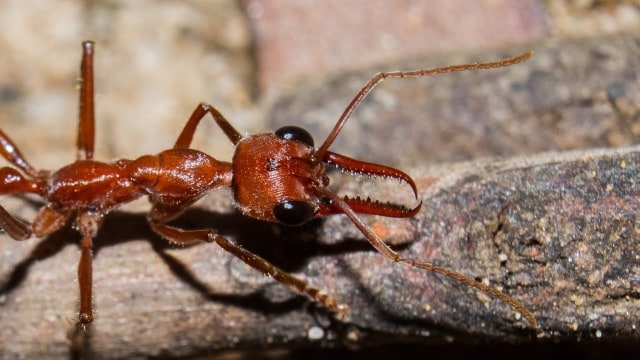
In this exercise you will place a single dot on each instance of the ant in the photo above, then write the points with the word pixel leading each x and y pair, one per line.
pixel 279 177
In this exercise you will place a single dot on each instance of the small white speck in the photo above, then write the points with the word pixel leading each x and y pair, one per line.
pixel 598 333
pixel 315 333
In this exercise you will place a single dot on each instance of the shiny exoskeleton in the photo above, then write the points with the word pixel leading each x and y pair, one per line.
pixel 279 177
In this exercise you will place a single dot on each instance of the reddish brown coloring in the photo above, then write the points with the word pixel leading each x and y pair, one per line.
pixel 278 177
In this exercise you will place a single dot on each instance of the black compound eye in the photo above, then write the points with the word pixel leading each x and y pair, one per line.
pixel 295 133
pixel 293 212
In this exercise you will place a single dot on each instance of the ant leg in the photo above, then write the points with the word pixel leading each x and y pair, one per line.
pixel 86 125
pixel 188 237
pixel 85 280
pixel 10 151
pixel 88 224
pixel 12 181
pixel 17 229
pixel 376 79
pixel 48 220
pixel 387 252
pixel 186 136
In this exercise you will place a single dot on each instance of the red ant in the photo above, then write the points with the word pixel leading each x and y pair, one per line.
pixel 278 177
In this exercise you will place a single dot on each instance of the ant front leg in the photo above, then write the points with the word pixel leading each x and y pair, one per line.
pixel 186 136
pixel 188 237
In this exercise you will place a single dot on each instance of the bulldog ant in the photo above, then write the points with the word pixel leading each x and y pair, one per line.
pixel 278 177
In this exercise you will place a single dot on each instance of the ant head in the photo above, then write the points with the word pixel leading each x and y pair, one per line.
pixel 273 175
pixel 281 177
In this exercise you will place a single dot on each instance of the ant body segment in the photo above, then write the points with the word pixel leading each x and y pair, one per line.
pixel 277 177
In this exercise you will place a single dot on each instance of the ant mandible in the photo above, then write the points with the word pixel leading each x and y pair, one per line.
pixel 278 177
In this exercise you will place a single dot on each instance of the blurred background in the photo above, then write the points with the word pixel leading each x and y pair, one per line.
pixel 156 60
